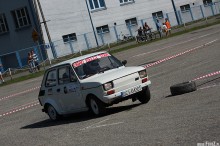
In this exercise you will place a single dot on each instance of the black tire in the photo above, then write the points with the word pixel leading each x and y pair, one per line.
pixel 148 37
pixel 153 36
pixel 182 88
pixel 144 96
pixel 96 107
pixel 52 113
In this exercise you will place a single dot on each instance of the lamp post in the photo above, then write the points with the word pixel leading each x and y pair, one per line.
pixel 46 28
pixel 174 7
pixel 91 23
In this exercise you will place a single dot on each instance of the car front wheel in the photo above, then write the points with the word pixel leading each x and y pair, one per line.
pixel 96 106
pixel 144 96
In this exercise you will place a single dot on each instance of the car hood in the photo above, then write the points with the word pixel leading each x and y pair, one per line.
pixel 109 75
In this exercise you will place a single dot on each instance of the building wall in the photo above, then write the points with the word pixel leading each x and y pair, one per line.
pixel 15 39
pixel 71 16
pixel 65 17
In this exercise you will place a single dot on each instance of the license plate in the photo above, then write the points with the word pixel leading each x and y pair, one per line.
pixel 131 91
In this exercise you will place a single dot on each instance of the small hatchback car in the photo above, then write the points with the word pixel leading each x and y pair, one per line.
pixel 91 82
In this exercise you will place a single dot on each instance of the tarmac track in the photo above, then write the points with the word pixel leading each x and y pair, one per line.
pixel 166 120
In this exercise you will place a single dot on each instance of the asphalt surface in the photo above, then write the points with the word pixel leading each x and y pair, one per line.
pixel 166 120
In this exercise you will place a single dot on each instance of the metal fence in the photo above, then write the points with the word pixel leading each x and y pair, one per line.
pixel 87 41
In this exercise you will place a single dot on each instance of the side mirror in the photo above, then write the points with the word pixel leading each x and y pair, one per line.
pixel 124 62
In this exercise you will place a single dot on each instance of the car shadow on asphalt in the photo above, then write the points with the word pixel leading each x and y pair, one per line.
pixel 79 117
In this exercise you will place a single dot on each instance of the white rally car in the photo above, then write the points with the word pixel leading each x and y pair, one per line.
pixel 91 82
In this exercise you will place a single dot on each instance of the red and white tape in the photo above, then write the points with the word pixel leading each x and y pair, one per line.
pixel 19 93
pixel 177 55
pixel 23 107
pixel 206 76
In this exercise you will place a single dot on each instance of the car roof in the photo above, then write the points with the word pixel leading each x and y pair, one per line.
pixel 70 61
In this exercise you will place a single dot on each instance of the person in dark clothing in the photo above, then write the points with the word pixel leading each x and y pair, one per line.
pixel 159 27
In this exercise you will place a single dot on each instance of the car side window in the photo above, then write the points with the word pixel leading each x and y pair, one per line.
pixel 51 78
pixel 73 77
pixel 64 75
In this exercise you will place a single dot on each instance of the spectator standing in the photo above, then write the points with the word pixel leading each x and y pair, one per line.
pixel 30 62
pixel 1 77
pixel 159 27
pixel 164 28
pixel 35 60
pixel 146 28
pixel 139 35
pixel 168 26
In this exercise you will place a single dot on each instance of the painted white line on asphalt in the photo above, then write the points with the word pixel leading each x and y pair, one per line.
pixel 105 125
pixel 94 124
pixel 142 54
pixel 207 87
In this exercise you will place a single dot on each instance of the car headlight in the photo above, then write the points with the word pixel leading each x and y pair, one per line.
pixel 143 73
pixel 108 86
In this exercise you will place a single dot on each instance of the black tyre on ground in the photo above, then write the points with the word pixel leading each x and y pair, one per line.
pixel 182 88
pixel 52 113
pixel 144 96
pixel 96 106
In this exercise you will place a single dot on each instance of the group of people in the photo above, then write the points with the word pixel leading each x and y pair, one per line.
pixel 33 62
pixel 142 32
pixel 164 28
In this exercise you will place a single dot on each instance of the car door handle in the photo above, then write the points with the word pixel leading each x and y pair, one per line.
pixel 58 90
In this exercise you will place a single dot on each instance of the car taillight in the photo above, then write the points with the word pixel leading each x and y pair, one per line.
pixel 144 80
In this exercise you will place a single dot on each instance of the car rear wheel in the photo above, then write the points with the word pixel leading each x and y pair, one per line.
pixel 144 96
pixel 96 106
pixel 52 113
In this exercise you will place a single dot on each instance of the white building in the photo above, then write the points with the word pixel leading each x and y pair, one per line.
pixel 69 19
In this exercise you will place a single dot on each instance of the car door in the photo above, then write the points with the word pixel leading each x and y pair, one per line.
pixel 69 90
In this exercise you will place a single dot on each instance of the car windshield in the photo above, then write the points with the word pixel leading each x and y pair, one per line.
pixel 95 65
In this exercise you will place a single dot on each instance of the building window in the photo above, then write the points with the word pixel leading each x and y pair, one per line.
pixel 97 4
pixel 102 29
pixel 21 17
pixel 185 8
pixel 124 2
pixel 158 14
pixel 207 2
pixel 3 24
pixel 131 22
pixel 69 37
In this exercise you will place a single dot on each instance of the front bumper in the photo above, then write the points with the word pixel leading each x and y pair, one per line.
pixel 117 97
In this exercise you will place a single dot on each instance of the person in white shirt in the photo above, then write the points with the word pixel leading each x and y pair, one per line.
pixel 35 60
pixel 164 28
